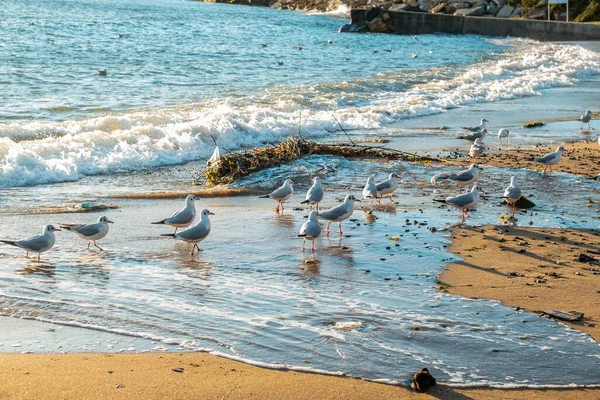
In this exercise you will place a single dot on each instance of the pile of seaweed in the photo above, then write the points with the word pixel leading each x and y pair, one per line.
pixel 234 166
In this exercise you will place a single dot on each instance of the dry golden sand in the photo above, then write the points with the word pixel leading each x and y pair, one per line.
pixel 151 376
pixel 582 159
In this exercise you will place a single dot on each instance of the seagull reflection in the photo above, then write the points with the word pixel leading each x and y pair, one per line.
pixel 310 266
pixel 38 268
pixel 284 220
pixel 94 267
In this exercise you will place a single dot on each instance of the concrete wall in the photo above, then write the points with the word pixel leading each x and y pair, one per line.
pixel 413 23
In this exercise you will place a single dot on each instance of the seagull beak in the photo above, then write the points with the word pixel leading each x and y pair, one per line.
pixel 360 201
pixel 109 222
pixel 211 213
pixel 57 230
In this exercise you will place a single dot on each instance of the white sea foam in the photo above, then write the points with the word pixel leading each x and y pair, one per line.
pixel 37 153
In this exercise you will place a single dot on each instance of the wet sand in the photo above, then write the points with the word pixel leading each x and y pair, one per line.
pixel 202 376
pixel 532 268
pixel 581 159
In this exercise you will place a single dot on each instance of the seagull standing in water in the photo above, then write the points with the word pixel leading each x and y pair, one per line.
pixel 512 194
pixel 549 159
pixel 182 218
pixel 339 213
pixel 386 188
pixel 37 244
pixel 476 149
pixel 478 127
pixel 281 194
pixel 463 178
pixel 310 230
pixel 196 233
pixel 90 232
pixel 474 136
pixel 585 119
pixel 503 134
pixel 463 202
pixel 370 189
pixel 315 194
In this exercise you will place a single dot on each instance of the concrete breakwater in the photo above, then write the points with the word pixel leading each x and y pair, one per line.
pixel 413 23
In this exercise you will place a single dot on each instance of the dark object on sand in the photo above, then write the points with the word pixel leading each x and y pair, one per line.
pixel 423 380
pixel 533 124
pixel 570 316
pixel 234 166
pixel 584 258
pixel 522 203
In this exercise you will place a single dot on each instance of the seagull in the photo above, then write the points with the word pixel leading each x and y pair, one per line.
pixel 346 58
pixel 416 37
pixel 375 51
pixel 330 41
pixel 310 230
pixel 549 159
pixel 512 194
pixel 502 134
pixel 279 63
pixel 315 193
pixel 585 119
pixel 281 194
pixel 299 47
pixel 415 55
pixel 370 190
pixel 476 149
pixel 182 218
pixel 389 50
pixel 37 244
pixel 263 45
pixel 431 51
pixel 476 128
pixel 386 188
pixel 196 233
pixel 477 135
pixel 90 232
pixel 463 178
pixel 102 72
pixel 463 202
pixel 339 213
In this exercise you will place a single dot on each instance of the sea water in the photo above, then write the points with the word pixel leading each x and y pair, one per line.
pixel 180 74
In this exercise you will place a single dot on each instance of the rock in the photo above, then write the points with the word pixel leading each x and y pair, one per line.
pixel 377 26
pixel 440 8
pixel 451 8
pixel 584 258
pixel 413 3
pixel 522 204
pixel 517 12
pixel 400 7
pixel 541 3
pixel 570 316
pixel 354 28
pixel 423 380
pixel 385 16
pixel 536 13
pixel 505 12
pixel 429 5
pixel 385 6
pixel 373 13
pixel 471 12
pixel 492 9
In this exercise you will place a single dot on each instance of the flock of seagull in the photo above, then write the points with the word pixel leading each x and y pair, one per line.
pixel 311 229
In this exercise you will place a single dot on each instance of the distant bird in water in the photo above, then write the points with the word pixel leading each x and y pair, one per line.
pixel 474 136
pixel 315 193
pixel 431 51
pixel 90 232
pixel 423 380
pixel 463 178
pixel 389 50
pixel 346 58
pixel 416 37
pixel 37 244
pixel 387 187
pixel 281 194
pixel 415 55
pixel 340 213
pixel 370 189
pixel 463 202
pixel 102 72
pixel 549 159
pixel 196 233
pixel 279 63
pixel 330 41
pixel 585 119
pixel 120 36
pixel 476 149
pixel 512 194
pixel 182 218
pixel 310 230
pixel 263 45
pixel 478 127
pixel 503 134
pixel 299 47
pixel 375 51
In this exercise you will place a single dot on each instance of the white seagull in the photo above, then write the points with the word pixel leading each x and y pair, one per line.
pixel 478 127
pixel 37 244
pixel 386 188
pixel 315 193
pixel 339 213
pixel 281 194
pixel 585 119
pixel 512 194
pixel 90 232
pixel 182 218
pixel 474 136
pixel 476 149
pixel 550 159
pixel 463 178
pixel 196 233
pixel 310 230
pixel 463 202
pixel 503 134
pixel 370 190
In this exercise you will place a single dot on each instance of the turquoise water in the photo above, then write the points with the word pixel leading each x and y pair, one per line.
pixel 184 73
